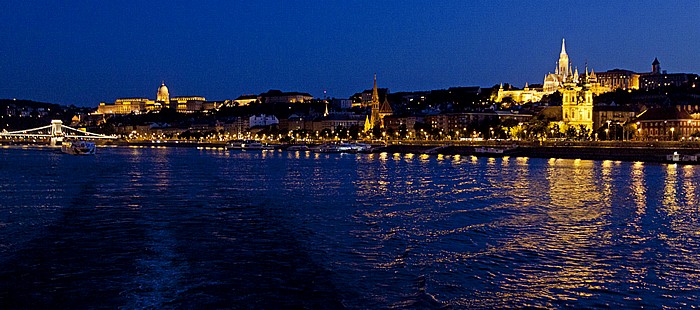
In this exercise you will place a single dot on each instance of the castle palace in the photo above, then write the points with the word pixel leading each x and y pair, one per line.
pixel 577 91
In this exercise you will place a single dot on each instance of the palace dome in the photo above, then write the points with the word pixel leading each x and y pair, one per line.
pixel 163 94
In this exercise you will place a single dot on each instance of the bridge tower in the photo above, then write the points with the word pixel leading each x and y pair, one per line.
pixel 56 132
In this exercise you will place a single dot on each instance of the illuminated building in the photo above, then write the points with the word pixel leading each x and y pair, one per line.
pixel 188 104
pixel 526 94
pixel 244 100
pixel 613 113
pixel 459 121
pixel 395 122
pixel 277 96
pixel 163 95
pixel 618 79
pixel 126 106
pixel 658 78
pixel 577 103
pixel 667 123
pixel 262 120
pixel 563 74
pixel 379 111
pixel 384 111
pixel 554 81
pixel 374 118
pixel 185 104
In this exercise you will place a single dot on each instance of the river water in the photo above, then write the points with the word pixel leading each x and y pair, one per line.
pixel 180 228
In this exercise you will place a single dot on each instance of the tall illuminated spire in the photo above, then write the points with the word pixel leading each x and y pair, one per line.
pixel 375 118
pixel 563 47
pixel 375 92
pixel 564 70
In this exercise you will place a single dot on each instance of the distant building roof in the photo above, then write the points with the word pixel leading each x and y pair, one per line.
pixel 276 92
pixel 665 113
pixel 247 97
pixel 617 108
pixel 616 70
pixel 386 107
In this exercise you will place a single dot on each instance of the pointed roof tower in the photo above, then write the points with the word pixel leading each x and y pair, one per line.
pixel 656 66
pixel 386 107
pixel 563 47
pixel 375 92
pixel 563 62
pixel 368 125
pixel 592 78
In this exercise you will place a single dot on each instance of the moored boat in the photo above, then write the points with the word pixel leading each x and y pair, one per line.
pixel 677 158
pixel 78 147
pixel 495 151
pixel 343 147
pixel 295 148
pixel 247 145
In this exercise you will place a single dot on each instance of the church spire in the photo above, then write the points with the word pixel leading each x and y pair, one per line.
pixel 563 47
pixel 375 117
pixel 375 92
pixel 564 69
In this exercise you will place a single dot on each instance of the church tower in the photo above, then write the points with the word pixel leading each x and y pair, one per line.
pixel 564 70
pixel 385 110
pixel 577 105
pixel 656 66
pixel 375 119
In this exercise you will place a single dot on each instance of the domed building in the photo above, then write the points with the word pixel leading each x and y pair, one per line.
pixel 163 95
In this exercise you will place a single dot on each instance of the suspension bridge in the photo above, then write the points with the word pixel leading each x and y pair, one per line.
pixel 55 133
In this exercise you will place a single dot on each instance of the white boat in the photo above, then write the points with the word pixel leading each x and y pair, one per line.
pixel 247 145
pixel 328 148
pixel 495 151
pixel 78 147
pixel 361 147
pixel 682 158
pixel 300 148
pixel 343 147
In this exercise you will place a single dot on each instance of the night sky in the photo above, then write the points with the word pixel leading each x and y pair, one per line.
pixel 83 52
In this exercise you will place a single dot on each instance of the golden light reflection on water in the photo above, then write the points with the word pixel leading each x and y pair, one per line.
pixel 555 229
pixel 670 188
pixel 522 160
pixel 638 188
pixel 681 265
pixel 689 185
pixel 569 225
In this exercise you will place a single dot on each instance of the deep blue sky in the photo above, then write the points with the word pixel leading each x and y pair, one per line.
pixel 85 51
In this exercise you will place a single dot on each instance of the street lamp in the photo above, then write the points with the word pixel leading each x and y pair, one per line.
pixel 672 129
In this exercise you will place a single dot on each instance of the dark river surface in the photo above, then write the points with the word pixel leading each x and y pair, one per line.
pixel 156 228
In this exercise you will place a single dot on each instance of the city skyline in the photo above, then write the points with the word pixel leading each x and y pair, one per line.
pixel 88 53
